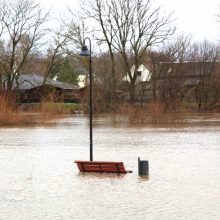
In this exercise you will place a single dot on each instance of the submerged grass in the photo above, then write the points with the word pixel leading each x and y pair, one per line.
pixel 154 113
pixel 46 112
pixel 12 118
pixel 33 113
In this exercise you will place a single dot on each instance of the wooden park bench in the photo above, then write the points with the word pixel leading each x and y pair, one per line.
pixel 101 166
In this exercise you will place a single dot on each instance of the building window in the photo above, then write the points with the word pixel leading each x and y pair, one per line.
pixel 139 73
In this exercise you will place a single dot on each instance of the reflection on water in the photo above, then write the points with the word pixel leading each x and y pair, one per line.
pixel 39 179
pixel 144 178
pixel 100 175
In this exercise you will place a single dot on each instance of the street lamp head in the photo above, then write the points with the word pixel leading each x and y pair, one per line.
pixel 84 51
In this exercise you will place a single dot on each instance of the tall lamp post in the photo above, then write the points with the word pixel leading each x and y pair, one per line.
pixel 87 53
pixel 96 166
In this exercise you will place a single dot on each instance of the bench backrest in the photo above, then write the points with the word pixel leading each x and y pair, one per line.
pixel 101 166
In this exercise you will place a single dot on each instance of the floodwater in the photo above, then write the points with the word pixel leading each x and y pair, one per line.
pixel 39 180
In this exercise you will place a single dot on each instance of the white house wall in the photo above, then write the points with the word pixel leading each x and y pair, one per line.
pixel 82 81
pixel 145 74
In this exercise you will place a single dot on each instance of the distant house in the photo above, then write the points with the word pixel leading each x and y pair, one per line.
pixel 188 74
pixel 168 75
pixel 32 88
pixel 143 74
pixel 82 80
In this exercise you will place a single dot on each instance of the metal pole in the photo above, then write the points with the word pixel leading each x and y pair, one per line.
pixel 90 99
pixel 90 104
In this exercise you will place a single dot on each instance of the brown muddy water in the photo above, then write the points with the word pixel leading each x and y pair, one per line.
pixel 40 181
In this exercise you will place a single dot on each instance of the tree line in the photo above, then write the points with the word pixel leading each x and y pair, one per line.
pixel 127 33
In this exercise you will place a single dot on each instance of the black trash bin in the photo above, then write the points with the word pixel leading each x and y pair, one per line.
pixel 143 167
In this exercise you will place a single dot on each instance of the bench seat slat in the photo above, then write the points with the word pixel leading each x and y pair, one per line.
pixel 97 162
pixel 103 168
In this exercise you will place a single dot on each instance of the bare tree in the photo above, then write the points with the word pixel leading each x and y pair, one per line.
pixel 24 28
pixel 100 11
pixel 76 30
pixel 168 72
pixel 130 27
pixel 55 52
pixel 206 72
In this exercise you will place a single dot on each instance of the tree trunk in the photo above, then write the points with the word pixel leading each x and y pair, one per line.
pixel 113 83
pixel 1 83
pixel 132 92
pixel 154 89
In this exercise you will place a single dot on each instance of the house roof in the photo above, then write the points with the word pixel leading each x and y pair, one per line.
pixel 187 69
pixel 29 81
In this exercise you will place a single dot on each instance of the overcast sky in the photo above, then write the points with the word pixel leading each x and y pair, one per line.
pixel 193 17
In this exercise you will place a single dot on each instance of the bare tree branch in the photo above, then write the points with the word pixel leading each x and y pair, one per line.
pixel 24 29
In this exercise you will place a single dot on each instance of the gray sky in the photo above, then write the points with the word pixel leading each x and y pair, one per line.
pixel 193 17
pixel 196 17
